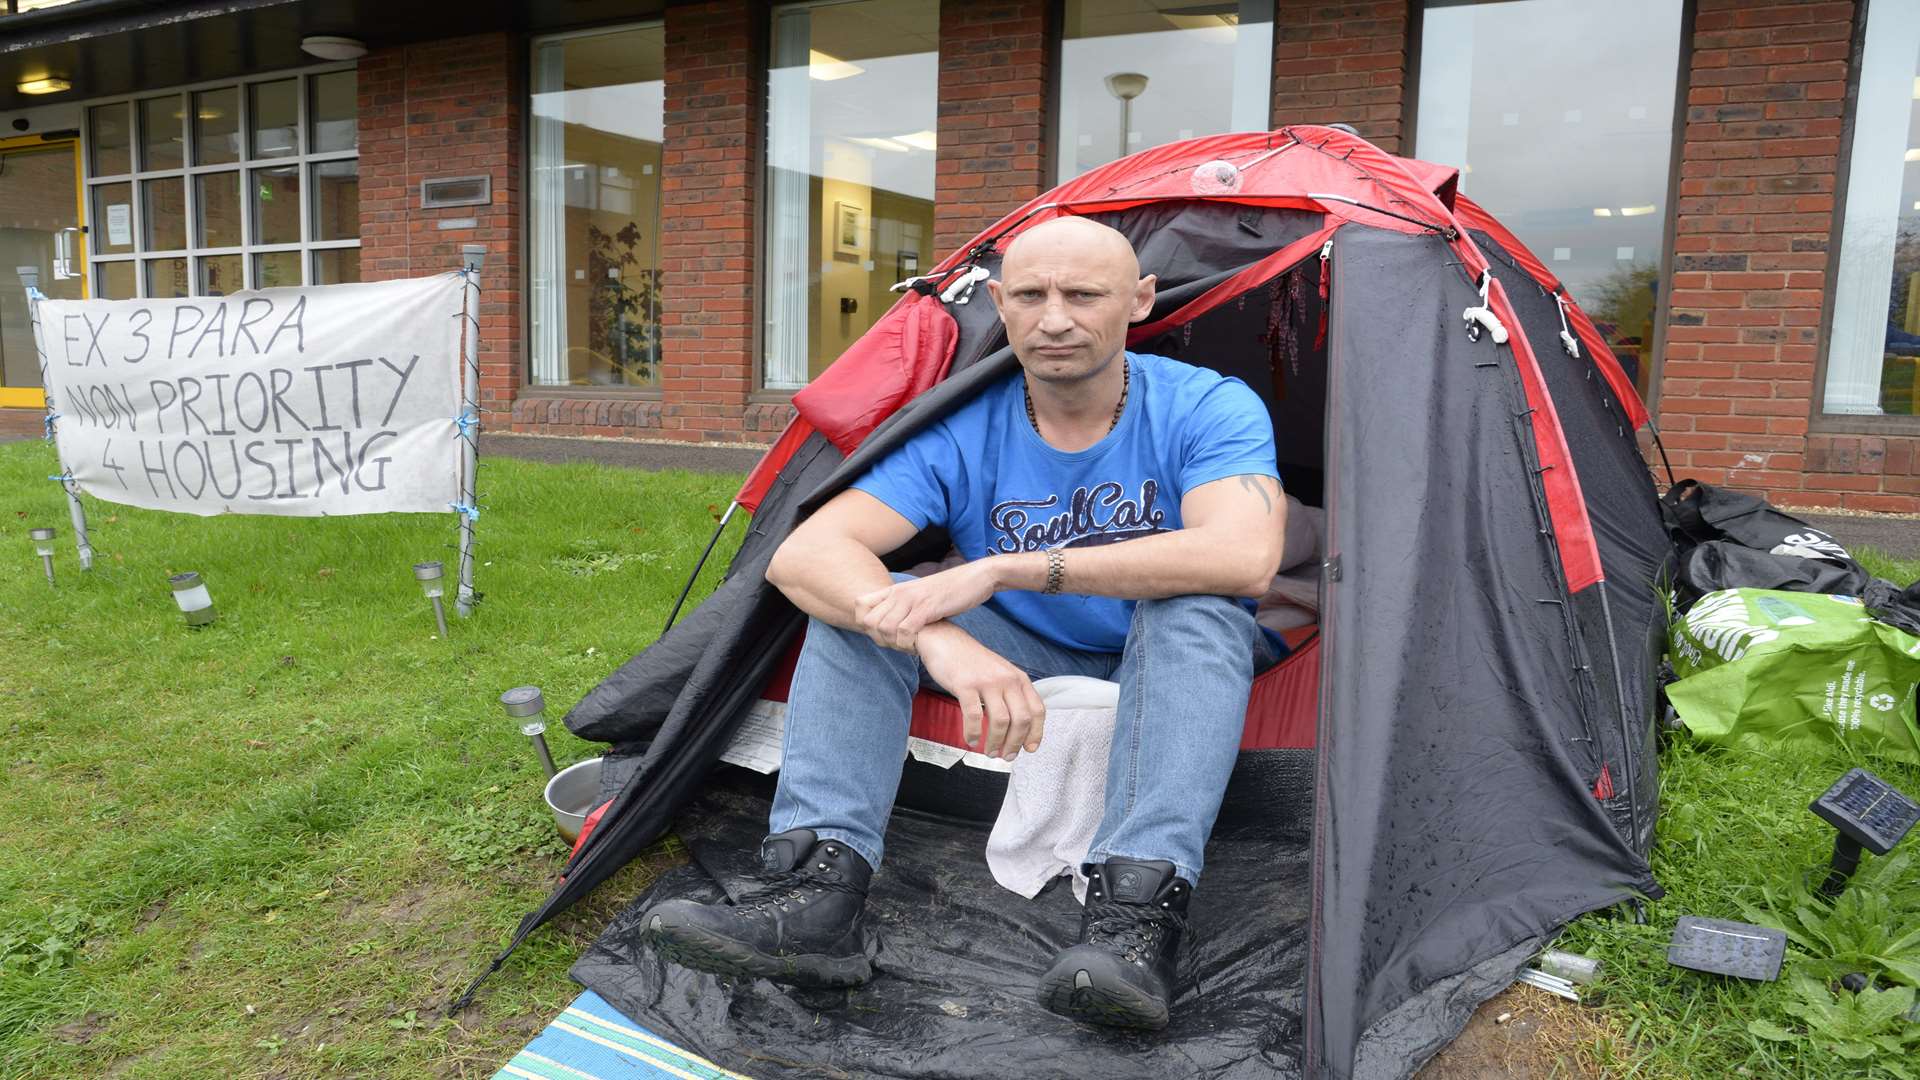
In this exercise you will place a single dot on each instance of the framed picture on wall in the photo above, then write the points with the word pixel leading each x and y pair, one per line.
pixel 849 229
pixel 909 266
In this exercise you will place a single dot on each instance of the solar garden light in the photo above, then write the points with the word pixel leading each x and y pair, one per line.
pixel 525 703
pixel 1869 813
pixel 432 578
pixel 191 594
pixel 43 543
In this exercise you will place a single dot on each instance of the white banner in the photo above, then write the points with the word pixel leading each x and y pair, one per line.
pixel 337 399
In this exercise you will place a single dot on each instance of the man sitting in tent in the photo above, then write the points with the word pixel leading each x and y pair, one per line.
pixel 1113 508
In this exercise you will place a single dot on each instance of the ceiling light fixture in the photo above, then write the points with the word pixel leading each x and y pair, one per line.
pixel 826 68
pixel 327 47
pixel 919 140
pixel 1601 211
pixel 1637 211
pixel 1913 154
pixel 45 84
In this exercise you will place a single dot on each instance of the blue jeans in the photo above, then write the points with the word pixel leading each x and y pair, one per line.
pixel 1184 677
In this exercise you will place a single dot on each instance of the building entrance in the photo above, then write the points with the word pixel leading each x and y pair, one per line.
pixel 39 228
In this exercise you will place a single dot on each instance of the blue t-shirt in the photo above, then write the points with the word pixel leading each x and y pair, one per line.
pixel 997 487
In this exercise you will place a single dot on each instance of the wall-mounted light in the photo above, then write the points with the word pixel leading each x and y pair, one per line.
pixel 191 594
pixel 432 578
pixel 43 543
pixel 327 47
pixel 45 84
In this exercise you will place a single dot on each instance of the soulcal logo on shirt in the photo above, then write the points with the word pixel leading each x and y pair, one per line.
pixel 1101 514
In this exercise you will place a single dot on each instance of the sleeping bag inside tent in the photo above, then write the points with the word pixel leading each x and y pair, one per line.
pixel 1455 760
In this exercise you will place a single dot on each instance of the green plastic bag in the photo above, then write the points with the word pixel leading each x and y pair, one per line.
pixel 1760 667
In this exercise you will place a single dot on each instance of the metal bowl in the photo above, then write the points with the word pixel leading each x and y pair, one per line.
pixel 572 794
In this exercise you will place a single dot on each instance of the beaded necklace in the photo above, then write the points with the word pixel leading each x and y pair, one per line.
pixel 1126 377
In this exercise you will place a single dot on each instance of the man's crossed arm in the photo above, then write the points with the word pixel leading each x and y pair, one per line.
pixel 830 568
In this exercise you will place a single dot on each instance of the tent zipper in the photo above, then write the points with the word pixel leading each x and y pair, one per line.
pixel 1326 259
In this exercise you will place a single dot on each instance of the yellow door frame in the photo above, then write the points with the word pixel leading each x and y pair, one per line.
pixel 33 397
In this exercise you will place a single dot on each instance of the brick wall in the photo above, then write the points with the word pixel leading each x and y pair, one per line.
pixel 710 181
pixel 994 99
pixel 449 108
pixel 1345 63
pixel 1755 219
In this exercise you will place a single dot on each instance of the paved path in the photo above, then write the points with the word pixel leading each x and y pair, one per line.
pixel 1896 536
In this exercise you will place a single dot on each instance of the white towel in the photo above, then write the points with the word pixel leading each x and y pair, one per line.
pixel 1055 795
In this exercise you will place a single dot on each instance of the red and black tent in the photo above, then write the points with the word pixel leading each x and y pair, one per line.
pixel 1460 759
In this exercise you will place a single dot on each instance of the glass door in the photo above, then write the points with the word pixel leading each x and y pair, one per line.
pixel 39 228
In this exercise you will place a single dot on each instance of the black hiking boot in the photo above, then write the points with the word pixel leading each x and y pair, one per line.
pixel 801 925
pixel 1121 973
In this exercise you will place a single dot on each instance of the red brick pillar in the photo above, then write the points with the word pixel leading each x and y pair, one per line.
pixel 993 106
pixel 715 102
pixel 1757 167
pixel 449 108
pixel 1345 63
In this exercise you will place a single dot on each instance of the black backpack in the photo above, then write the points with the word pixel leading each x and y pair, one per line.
pixel 1729 540
pixel 1698 513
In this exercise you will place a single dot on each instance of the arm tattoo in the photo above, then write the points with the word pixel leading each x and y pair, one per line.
pixel 1253 484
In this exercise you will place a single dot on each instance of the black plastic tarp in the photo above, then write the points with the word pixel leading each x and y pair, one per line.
pixel 956 959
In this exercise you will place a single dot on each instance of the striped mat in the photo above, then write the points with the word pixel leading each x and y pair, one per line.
pixel 591 1040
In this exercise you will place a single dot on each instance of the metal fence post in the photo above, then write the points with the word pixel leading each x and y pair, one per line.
pixel 30 279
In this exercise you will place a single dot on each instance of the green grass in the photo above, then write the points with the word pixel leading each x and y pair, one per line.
pixel 1735 840
pixel 277 846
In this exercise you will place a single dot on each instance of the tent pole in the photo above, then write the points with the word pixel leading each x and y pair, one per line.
pixel 698 566
pixel 1665 461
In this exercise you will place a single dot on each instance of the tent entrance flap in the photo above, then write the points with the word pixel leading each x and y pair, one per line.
pixel 1456 761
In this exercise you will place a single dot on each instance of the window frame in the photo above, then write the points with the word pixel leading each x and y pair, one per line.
pixel 528 387
pixel 758 392
pixel 1663 305
pixel 1055 46
pixel 1819 421
pixel 243 165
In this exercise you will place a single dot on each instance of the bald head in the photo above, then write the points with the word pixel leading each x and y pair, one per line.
pixel 1086 240
pixel 1068 289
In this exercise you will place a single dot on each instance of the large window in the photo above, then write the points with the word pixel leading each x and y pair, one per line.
pixel 1871 353
pixel 205 191
pixel 594 210
pixel 1135 74
pixel 1559 115
pixel 852 96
